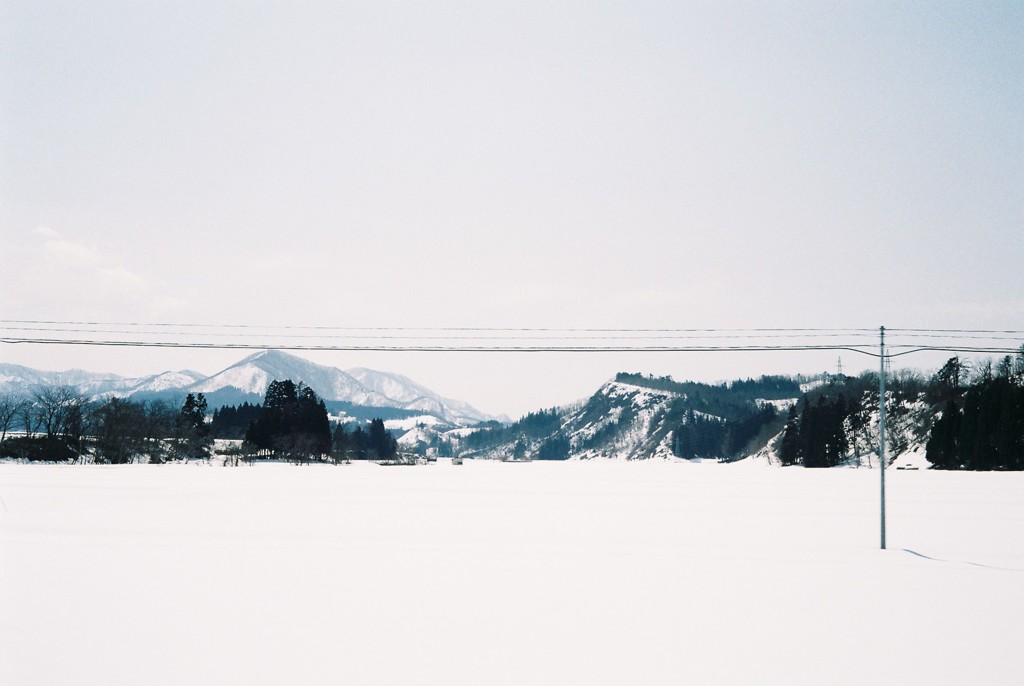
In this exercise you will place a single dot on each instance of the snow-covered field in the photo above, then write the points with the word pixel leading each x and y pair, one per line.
pixel 493 573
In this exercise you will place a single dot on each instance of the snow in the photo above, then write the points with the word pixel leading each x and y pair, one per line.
pixel 588 431
pixel 247 378
pixel 426 405
pixel 459 432
pixel 17 379
pixel 602 572
pixel 811 385
pixel 415 437
pixel 636 436
pixel 412 422
pixel 641 395
pixel 168 381
pixel 394 386
pixel 780 405
pixel 914 458
pixel 254 373
pixel 414 396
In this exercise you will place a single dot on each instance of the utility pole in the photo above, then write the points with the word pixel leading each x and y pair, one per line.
pixel 881 420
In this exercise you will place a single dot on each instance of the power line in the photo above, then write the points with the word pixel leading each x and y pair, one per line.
pixel 431 348
pixel 718 330
pixel 502 339
pixel 192 325
pixel 494 333
pixel 970 336
pixel 459 337
pixel 976 350
pixel 857 348
pixel 939 331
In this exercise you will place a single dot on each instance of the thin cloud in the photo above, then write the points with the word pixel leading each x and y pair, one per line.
pixel 68 252
pixel 119 277
pixel 66 271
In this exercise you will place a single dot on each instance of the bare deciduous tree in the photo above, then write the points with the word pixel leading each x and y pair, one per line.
pixel 29 417
pixel 118 429
pixel 10 408
pixel 58 410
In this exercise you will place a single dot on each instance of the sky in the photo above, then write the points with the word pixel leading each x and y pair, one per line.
pixel 515 165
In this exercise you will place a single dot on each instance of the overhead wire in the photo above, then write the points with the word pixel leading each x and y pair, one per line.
pixel 427 348
pixel 634 335
pixel 194 325
pixel 502 339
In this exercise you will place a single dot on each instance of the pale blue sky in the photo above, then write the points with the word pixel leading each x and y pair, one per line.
pixel 630 164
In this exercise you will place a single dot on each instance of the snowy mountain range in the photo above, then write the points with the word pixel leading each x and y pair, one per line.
pixel 247 381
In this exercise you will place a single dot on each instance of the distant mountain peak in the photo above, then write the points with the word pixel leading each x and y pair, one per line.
pixel 360 386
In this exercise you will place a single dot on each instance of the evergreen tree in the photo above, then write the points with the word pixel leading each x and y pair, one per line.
pixel 232 422
pixel 789 450
pixel 987 432
pixel 340 444
pixel 1009 432
pixel 554 448
pixel 949 381
pixel 293 423
pixel 837 445
pixel 194 434
pixel 941 449
pixel 810 430
pixel 823 441
pixel 977 428
pixel 360 443
pixel 380 442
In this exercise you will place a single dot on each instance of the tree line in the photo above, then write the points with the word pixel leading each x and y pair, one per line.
pixel 981 424
pixel 817 437
pixel 968 418
pixel 59 423
pixel 705 436
pixel 534 425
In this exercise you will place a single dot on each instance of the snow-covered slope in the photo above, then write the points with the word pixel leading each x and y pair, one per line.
pixel 254 374
pixel 634 426
pixel 414 396
pixel 388 384
pixel 167 381
pixel 17 379
pixel 621 420
pixel 21 380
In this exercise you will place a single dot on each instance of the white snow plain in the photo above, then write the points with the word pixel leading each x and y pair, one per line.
pixel 602 572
